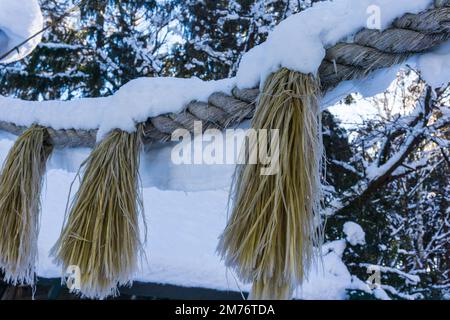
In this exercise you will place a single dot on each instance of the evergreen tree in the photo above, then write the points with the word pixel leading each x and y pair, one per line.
pixel 92 53
pixel 217 33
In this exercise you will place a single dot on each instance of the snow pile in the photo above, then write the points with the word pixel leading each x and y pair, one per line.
pixel 133 103
pixel 19 20
pixel 299 42
pixel 354 233
pixel 331 280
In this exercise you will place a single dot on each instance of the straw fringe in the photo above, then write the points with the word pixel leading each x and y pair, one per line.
pixel 101 236
pixel 20 189
pixel 273 228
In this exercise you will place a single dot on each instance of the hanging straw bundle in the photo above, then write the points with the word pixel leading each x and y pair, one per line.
pixel 272 231
pixel 101 236
pixel 20 189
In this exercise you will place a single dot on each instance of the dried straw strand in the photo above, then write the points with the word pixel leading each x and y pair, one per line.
pixel 101 236
pixel 270 237
pixel 20 189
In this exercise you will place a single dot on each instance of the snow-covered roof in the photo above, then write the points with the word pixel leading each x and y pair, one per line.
pixel 19 20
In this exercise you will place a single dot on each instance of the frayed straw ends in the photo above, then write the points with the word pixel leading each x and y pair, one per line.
pixel 20 190
pixel 272 231
pixel 101 236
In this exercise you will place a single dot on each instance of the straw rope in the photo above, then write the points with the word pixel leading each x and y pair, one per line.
pixel 371 50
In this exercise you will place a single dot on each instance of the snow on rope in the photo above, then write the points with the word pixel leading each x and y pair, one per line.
pixel 227 102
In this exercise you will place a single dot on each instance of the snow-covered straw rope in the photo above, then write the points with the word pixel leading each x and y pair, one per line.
pixel 76 123
pixel 105 222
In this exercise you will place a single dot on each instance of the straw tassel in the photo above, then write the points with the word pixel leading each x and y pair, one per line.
pixel 101 236
pixel 271 234
pixel 20 190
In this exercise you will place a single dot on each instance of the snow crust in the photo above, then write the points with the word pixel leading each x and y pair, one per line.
pixel 354 233
pixel 299 42
pixel 19 19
